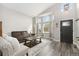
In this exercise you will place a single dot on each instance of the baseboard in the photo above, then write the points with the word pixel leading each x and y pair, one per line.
pixel 56 40
pixel 51 39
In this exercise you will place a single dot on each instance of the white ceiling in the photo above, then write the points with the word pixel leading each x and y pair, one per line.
pixel 30 9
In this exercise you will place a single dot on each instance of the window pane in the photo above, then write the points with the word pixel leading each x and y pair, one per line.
pixel 66 24
pixel 46 27
pixel 46 18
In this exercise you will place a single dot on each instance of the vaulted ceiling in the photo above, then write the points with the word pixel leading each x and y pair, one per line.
pixel 30 9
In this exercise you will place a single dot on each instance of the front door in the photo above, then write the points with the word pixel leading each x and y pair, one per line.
pixel 66 31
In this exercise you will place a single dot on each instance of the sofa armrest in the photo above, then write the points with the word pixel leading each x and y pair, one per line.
pixel 21 51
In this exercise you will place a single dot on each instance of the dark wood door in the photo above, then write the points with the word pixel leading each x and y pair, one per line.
pixel 66 31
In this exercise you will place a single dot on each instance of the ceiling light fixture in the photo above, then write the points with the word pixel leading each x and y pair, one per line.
pixel 66 7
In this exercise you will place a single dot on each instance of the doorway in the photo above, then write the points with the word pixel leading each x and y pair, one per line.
pixel 66 31
pixel 0 28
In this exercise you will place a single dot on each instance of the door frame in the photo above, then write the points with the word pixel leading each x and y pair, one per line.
pixel 61 27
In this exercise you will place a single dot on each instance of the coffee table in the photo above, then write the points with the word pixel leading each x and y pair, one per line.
pixel 32 41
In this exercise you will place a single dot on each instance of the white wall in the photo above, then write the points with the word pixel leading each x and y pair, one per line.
pixel 14 21
pixel 77 22
pixel 77 6
pixel 0 12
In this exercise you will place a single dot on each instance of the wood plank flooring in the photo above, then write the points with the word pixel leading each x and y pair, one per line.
pixel 54 48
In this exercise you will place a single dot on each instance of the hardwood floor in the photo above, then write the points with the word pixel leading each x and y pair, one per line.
pixel 53 48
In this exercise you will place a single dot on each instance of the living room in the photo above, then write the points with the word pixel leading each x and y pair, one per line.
pixel 36 27
pixel 15 21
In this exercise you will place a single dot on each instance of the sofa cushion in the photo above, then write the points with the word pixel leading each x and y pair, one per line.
pixel 25 34
pixel 5 47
